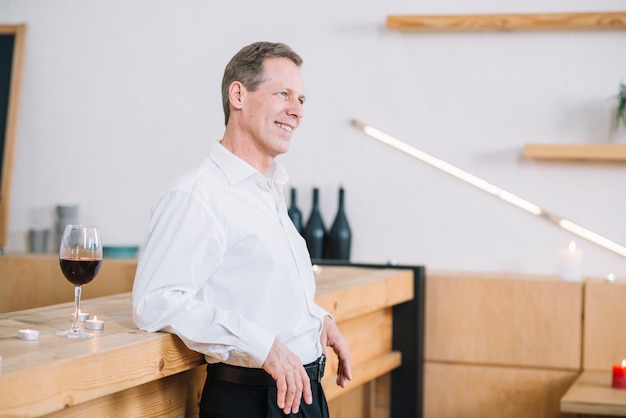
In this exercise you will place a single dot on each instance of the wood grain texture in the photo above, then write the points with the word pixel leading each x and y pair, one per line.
pixel 173 396
pixel 592 394
pixel 604 342
pixel 124 366
pixel 510 22
pixel 576 152
pixel 377 288
pixel 504 320
pixel 35 280
pixel 363 372
pixel 465 390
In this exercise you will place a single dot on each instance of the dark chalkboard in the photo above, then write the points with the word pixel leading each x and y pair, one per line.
pixel 12 38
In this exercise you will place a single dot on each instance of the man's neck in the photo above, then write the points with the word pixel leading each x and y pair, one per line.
pixel 247 152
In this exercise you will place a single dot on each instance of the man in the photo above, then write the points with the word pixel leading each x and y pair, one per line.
pixel 223 266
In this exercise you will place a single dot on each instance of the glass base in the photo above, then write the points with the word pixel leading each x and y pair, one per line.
pixel 74 333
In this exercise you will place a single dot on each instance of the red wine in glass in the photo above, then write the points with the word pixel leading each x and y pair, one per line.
pixel 80 257
pixel 80 271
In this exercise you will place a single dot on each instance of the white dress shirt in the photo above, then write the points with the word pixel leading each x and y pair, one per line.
pixel 224 268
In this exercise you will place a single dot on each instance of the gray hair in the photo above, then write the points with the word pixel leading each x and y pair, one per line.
pixel 247 67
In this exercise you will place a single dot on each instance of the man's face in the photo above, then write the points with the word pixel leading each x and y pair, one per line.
pixel 272 113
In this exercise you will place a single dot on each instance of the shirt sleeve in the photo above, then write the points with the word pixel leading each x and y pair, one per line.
pixel 184 247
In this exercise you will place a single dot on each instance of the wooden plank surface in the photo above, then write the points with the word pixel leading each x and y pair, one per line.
pixel 172 396
pixel 592 393
pixel 465 390
pixel 604 342
pixel 504 320
pixel 377 288
pixel 70 372
pixel 121 358
pixel 576 152
pixel 508 22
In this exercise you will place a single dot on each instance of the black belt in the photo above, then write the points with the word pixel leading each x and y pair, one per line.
pixel 259 377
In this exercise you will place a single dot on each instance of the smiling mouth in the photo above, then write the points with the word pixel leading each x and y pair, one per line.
pixel 285 127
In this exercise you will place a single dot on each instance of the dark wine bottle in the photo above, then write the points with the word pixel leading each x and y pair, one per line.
pixel 315 232
pixel 339 237
pixel 294 212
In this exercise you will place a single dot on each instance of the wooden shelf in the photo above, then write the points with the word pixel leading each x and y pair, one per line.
pixel 509 22
pixel 580 152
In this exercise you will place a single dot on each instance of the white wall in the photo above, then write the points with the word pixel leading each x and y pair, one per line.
pixel 119 97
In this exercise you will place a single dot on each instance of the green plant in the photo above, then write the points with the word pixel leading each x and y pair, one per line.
pixel 621 106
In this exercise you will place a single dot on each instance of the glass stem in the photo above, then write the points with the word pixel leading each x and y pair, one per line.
pixel 77 292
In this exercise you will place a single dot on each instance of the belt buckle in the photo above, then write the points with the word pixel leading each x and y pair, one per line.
pixel 321 365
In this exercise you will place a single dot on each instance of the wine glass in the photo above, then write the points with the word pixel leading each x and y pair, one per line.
pixel 80 257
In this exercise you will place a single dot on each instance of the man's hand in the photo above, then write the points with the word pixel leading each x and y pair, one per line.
pixel 332 337
pixel 292 381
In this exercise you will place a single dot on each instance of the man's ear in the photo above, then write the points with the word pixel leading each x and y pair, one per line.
pixel 236 94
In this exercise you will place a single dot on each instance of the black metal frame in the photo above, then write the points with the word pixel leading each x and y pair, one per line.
pixel 408 338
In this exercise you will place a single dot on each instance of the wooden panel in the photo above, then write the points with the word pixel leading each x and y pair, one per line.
pixel 503 320
pixel 34 280
pixel 359 334
pixel 592 394
pixel 362 372
pixel 507 22
pixel 580 152
pixel 382 397
pixel 457 390
pixel 355 403
pixel 173 396
pixel 604 341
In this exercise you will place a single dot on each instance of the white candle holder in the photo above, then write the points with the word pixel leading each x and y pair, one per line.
pixel 94 324
pixel 28 334
pixel 82 316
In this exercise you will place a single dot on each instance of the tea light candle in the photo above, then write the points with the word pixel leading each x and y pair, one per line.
pixel 619 375
pixel 571 261
pixel 94 324
pixel 82 316
pixel 28 334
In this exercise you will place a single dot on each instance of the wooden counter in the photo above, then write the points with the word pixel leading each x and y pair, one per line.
pixel 126 372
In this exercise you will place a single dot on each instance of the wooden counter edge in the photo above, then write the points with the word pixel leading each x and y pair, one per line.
pixel 345 303
pixel 591 393
pixel 362 373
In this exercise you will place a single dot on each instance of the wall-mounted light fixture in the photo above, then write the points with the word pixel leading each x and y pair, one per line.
pixel 490 188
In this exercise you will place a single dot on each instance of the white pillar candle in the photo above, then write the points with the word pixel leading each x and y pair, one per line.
pixel 28 334
pixel 571 264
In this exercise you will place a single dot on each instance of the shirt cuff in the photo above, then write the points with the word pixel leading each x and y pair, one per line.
pixel 256 343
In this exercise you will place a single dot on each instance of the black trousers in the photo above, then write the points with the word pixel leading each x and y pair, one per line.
pixel 221 399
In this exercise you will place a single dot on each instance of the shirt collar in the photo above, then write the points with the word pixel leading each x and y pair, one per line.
pixel 237 170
